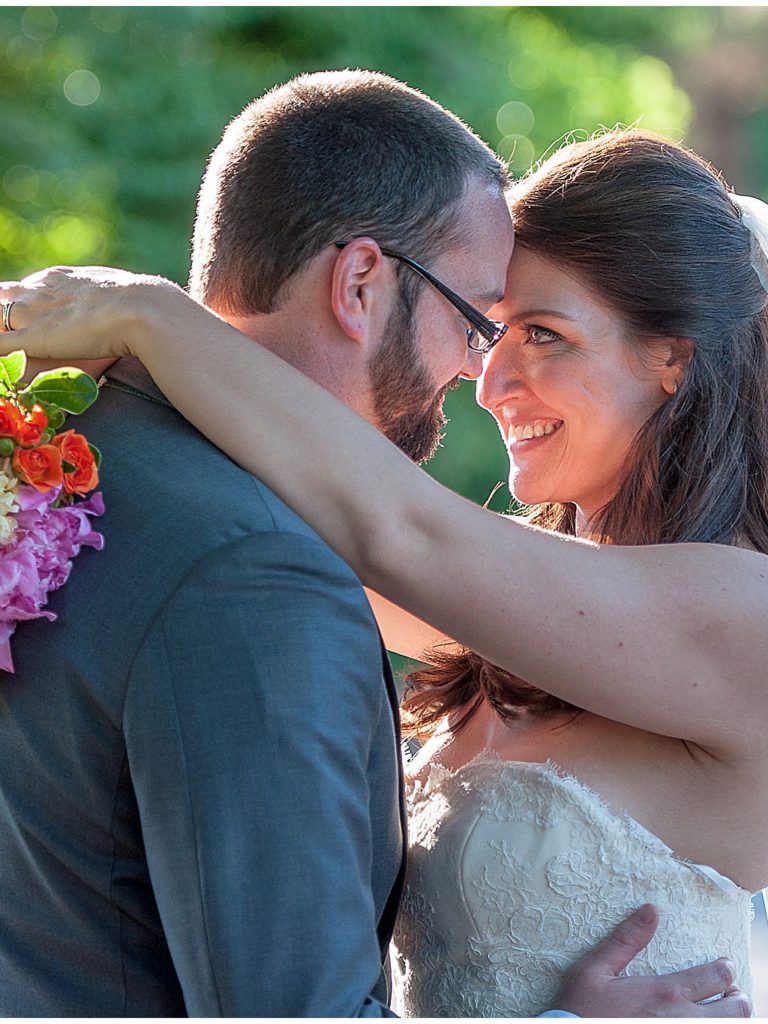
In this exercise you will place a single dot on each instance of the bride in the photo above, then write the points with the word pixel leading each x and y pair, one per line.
pixel 597 739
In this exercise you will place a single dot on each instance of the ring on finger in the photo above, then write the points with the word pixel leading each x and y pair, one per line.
pixel 7 305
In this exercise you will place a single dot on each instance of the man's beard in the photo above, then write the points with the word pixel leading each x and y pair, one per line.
pixel 408 410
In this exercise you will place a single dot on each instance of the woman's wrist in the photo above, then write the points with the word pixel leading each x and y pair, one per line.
pixel 151 317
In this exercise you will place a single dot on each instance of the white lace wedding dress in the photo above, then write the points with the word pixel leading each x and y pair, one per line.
pixel 516 871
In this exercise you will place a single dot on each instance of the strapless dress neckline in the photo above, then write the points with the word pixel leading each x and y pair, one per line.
pixel 491 758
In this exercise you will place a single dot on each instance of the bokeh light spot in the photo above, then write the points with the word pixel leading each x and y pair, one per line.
pixel 518 151
pixel 82 88
pixel 108 19
pixel 14 232
pixel 39 23
pixel 72 239
pixel 527 71
pixel 515 118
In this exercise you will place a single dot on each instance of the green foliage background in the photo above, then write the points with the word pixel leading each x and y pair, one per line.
pixel 108 115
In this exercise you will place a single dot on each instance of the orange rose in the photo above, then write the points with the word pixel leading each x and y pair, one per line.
pixel 40 466
pixel 31 427
pixel 9 419
pixel 74 448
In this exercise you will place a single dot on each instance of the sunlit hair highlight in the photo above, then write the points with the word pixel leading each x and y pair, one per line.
pixel 649 228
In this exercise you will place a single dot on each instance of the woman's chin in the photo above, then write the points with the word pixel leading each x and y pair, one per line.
pixel 528 492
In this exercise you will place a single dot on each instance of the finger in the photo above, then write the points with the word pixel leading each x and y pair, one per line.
pixel 705 981
pixel 734 1003
pixel 626 940
pixel 12 319
pixel 11 290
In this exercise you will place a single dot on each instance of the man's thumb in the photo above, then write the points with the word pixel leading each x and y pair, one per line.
pixel 625 942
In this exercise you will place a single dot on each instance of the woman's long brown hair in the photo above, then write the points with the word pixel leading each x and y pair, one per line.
pixel 649 228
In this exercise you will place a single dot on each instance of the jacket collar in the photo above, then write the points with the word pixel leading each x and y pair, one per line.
pixel 128 374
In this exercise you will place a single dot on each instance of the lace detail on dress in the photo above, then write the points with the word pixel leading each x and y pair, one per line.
pixel 517 870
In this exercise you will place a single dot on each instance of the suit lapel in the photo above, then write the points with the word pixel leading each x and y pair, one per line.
pixel 386 923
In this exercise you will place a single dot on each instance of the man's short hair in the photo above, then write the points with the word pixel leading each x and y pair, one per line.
pixel 326 157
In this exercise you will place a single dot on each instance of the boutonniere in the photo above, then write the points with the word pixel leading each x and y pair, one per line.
pixel 46 474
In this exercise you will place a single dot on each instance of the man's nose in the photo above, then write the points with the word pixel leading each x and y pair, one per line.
pixel 473 365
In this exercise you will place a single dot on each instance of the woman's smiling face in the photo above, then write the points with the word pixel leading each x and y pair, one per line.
pixel 567 387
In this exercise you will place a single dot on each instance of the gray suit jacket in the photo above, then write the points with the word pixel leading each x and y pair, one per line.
pixel 200 803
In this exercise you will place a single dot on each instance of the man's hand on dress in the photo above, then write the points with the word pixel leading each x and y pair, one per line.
pixel 595 987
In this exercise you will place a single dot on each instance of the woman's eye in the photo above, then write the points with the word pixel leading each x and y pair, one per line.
pixel 536 335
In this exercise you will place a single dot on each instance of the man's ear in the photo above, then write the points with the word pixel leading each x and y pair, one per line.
pixel 360 289
pixel 671 357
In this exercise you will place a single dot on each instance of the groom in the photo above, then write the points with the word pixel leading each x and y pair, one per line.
pixel 200 801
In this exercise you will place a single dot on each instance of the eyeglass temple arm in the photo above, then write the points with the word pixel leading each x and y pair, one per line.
pixel 485 326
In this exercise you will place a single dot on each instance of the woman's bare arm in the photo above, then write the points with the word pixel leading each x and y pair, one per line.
pixel 667 638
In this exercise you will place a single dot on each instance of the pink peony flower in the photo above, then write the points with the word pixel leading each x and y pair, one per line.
pixel 39 558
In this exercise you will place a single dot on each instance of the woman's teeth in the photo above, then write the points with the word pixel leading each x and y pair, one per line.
pixel 539 428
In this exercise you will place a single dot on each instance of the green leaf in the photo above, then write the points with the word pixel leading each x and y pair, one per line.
pixel 12 367
pixel 68 388
pixel 56 418
pixel 96 454
pixel 7 446
pixel 68 467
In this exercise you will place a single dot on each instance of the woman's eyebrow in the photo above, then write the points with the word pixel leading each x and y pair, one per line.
pixel 526 314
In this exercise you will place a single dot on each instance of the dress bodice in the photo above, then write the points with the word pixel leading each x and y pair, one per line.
pixel 516 871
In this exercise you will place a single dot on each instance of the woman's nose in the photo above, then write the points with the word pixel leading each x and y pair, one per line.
pixel 500 377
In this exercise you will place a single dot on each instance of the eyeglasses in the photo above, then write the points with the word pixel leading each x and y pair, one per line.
pixel 482 334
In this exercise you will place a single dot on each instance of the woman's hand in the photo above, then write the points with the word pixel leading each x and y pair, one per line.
pixel 76 313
